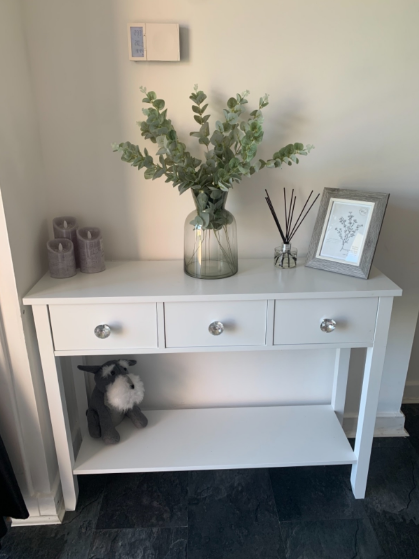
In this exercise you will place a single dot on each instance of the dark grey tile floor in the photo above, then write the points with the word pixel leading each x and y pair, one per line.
pixel 284 513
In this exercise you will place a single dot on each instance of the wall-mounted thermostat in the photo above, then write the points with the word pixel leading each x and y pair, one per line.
pixel 153 41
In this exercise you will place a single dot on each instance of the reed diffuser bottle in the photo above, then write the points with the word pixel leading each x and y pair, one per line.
pixel 285 256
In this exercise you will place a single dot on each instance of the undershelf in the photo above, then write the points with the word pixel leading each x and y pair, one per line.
pixel 221 438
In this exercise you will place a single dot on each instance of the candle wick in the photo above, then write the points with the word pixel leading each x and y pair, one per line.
pixel 89 235
pixel 65 224
pixel 60 247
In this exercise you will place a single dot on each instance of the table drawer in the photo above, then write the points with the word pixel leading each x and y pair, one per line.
pixel 132 325
pixel 298 321
pixel 187 324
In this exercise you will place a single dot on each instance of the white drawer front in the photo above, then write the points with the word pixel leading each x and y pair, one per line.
pixel 298 321
pixel 187 323
pixel 132 325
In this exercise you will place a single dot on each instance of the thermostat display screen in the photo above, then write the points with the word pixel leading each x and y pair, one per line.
pixel 137 42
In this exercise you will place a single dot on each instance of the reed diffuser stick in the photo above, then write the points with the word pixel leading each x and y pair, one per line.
pixel 268 200
pixel 305 215
pixel 301 213
pixel 290 227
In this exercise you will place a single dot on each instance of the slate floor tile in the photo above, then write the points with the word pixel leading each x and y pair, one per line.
pixel 330 539
pixel 392 500
pixel 398 539
pixel 36 542
pixel 411 413
pixel 393 483
pixel 140 543
pixel 70 540
pixel 314 493
pixel 414 441
pixel 380 442
pixel 150 500
pixel 232 516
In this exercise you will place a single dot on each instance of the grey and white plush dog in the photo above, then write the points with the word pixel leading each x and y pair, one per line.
pixel 116 394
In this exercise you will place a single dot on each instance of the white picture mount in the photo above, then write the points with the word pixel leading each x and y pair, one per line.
pixel 153 42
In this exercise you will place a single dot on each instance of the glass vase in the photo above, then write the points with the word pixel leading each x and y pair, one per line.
pixel 285 256
pixel 210 237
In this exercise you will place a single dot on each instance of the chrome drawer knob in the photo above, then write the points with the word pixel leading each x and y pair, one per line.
pixel 327 325
pixel 102 331
pixel 216 328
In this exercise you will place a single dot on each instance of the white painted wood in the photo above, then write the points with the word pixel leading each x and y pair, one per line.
pixel 145 351
pixel 161 339
pixel 131 326
pixel 369 399
pixel 222 438
pixel 298 322
pixel 270 318
pixel 386 425
pixel 340 381
pixel 57 406
pixel 164 281
pixel 187 323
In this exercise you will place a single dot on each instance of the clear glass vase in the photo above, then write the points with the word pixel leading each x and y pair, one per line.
pixel 210 237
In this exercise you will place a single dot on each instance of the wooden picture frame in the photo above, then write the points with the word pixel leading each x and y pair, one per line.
pixel 346 231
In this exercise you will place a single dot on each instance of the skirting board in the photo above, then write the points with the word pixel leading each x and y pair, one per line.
pixel 39 520
pixel 386 425
pixel 47 504
pixel 411 392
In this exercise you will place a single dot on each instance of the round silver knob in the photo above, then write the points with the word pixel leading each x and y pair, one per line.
pixel 102 331
pixel 327 325
pixel 216 328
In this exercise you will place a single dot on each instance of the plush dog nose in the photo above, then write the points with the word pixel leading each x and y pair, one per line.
pixel 132 386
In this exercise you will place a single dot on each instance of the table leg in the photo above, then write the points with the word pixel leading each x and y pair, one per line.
pixel 81 393
pixel 340 381
pixel 54 386
pixel 369 398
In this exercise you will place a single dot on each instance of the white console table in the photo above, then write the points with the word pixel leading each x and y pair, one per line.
pixel 153 307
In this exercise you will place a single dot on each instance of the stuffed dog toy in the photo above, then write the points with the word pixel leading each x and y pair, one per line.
pixel 116 394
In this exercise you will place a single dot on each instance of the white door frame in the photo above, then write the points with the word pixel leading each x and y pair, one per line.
pixel 20 425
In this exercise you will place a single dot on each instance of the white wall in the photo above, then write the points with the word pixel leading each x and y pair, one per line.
pixel 24 417
pixel 341 75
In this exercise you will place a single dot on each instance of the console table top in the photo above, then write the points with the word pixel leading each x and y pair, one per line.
pixel 165 280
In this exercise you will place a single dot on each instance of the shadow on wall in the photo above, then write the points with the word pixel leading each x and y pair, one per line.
pixel 184 37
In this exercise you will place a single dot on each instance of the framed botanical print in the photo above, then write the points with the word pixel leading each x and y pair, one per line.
pixel 346 232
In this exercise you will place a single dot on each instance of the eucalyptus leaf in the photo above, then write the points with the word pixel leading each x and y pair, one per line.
pixel 231 103
pixel 149 173
pixel 202 200
pixel 228 157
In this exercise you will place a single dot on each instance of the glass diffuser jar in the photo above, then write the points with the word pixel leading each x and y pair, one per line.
pixel 285 256
pixel 210 237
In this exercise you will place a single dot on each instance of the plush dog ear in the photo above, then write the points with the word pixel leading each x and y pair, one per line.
pixel 127 362
pixel 89 368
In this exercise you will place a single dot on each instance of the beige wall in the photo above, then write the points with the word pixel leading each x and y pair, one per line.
pixel 341 75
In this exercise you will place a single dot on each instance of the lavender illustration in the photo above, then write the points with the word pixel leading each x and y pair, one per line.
pixel 348 230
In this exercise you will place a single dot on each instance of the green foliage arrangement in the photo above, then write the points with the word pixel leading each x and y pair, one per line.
pixel 230 155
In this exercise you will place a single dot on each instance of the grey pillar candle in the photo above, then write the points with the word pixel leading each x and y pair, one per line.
pixel 90 245
pixel 62 263
pixel 65 227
